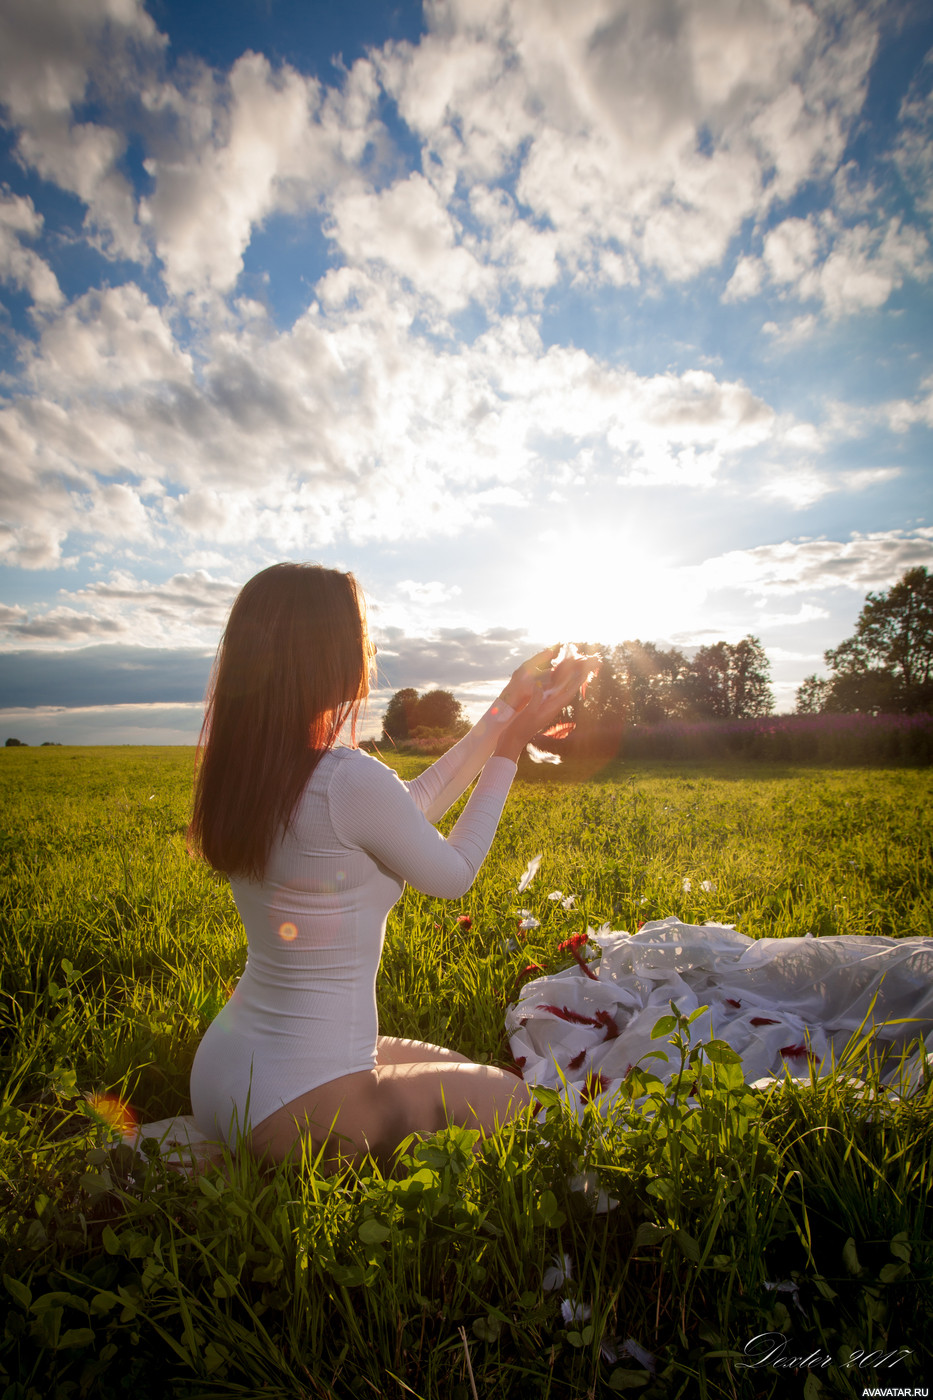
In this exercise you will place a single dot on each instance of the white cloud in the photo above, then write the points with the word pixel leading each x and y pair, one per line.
pixel 408 228
pixel 904 413
pixel 52 54
pixel 332 429
pixel 862 563
pixel 805 486
pixel 237 150
pixel 913 152
pixel 638 129
pixel 22 267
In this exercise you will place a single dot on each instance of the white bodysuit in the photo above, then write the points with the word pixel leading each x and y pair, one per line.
pixel 304 1010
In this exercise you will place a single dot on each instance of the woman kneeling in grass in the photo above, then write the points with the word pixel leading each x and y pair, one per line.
pixel 318 839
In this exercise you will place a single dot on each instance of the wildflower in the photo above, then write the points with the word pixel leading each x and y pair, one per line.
pixel 529 873
pixel 465 921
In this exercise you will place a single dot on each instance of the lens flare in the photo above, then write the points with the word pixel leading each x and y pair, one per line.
pixel 113 1112
pixel 288 932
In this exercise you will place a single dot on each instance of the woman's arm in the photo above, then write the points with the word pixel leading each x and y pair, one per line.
pixel 371 808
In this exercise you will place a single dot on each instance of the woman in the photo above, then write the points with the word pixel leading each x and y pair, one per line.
pixel 319 839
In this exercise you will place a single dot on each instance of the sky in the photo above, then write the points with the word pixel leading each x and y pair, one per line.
pixel 550 319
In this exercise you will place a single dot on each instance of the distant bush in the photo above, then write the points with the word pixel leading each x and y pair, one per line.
pixel 820 738
pixel 15 744
pixel 826 738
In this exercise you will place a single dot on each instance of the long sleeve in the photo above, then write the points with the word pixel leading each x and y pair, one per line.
pixel 436 789
pixel 371 808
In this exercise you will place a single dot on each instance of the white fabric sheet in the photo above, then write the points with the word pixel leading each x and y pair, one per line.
pixel 781 1003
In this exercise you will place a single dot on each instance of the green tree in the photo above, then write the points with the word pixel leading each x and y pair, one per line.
pixel 812 695
pixel 409 714
pixel 729 681
pixel 651 680
pixel 438 709
pixel 887 664
pixel 398 720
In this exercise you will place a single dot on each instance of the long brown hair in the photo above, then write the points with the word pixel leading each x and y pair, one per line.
pixel 292 666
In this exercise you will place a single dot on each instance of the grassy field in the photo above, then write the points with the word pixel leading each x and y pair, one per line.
pixel 471 1269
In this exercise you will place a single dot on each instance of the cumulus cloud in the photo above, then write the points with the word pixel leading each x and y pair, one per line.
pixel 234 150
pixel 846 269
pixel 678 122
pixel 186 609
pixel 20 266
pixel 863 562
pixel 54 55
pixel 332 429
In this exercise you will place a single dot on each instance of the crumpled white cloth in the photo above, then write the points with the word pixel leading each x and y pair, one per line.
pixel 776 1001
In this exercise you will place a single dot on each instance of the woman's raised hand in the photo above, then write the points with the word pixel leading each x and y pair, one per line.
pixel 549 694
pixel 521 687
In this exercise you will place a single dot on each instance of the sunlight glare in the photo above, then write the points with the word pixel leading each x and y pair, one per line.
pixel 602 586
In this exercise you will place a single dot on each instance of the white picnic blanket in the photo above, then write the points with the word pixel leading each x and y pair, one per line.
pixel 182 1146
pixel 781 1003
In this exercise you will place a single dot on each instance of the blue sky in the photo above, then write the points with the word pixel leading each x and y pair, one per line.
pixel 582 321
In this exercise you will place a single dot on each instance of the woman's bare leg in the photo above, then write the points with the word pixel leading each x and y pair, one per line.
pixel 374 1110
pixel 390 1050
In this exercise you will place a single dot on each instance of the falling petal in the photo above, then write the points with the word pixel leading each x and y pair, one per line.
pixel 688 886
pixel 540 756
pixel 707 887
pixel 529 873
pixel 530 923
pixel 559 730
pixel 568 902
pixel 556 894
pixel 574 1312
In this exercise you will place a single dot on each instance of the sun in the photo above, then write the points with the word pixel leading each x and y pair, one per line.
pixel 602 586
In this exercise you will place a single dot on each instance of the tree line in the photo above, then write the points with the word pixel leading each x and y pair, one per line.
pixel 885 667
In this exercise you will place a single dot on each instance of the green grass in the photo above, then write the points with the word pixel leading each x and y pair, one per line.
pixel 117 949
